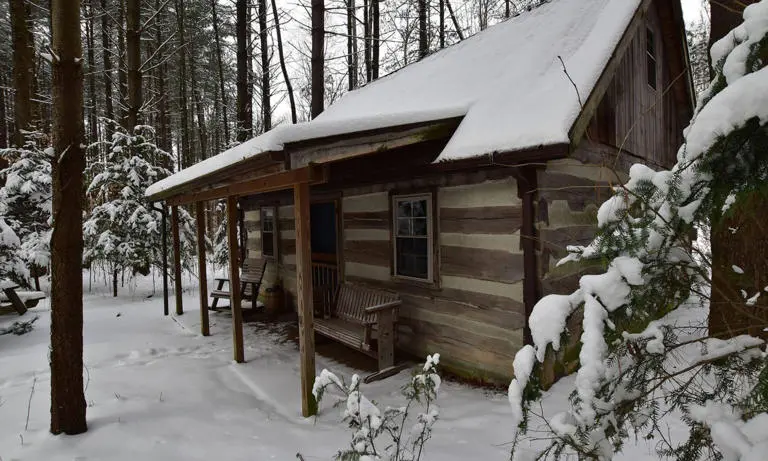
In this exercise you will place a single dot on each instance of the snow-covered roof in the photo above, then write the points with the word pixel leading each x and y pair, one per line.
pixel 507 82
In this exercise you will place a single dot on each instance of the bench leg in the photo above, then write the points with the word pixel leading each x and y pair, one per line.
pixel 215 302
pixel 386 346
pixel 17 303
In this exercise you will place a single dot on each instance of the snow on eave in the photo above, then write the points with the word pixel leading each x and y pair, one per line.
pixel 275 141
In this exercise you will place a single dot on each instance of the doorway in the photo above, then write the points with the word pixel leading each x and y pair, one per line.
pixel 324 236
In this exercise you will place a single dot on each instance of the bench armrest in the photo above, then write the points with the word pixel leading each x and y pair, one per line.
pixel 219 279
pixel 381 307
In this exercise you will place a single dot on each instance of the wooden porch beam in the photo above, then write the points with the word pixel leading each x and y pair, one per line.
pixel 176 259
pixel 203 276
pixel 312 174
pixel 304 298
pixel 234 281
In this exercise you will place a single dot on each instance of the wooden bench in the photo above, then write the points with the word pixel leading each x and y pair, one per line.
pixel 19 300
pixel 250 282
pixel 356 314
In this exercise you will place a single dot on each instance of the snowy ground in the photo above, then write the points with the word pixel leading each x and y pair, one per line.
pixel 157 390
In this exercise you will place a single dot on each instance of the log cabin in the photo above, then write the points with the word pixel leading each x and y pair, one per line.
pixel 457 181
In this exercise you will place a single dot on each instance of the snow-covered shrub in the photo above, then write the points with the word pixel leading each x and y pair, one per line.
pixel 11 265
pixel 636 364
pixel 123 230
pixel 396 433
pixel 25 199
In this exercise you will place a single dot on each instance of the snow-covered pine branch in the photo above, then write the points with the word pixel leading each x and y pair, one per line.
pixel 635 362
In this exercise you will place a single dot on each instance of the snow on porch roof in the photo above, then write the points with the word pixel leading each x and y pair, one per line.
pixel 506 81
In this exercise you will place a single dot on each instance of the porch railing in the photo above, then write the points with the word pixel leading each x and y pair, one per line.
pixel 325 279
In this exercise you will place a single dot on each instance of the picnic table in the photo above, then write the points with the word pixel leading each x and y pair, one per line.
pixel 19 300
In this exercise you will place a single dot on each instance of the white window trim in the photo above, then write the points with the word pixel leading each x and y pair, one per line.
pixel 430 236
pixel 274 232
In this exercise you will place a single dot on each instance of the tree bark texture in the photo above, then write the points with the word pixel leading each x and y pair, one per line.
pixel 185 154
pixel 107 61
pixel 66 355
pixel 220 66
pixel 133 48
pixel 122 77
pixel 281 55
pixel 244 119
pixel 375 20
pixel 318 57
pixel 423 44
pixel 23 67
pixel 266 90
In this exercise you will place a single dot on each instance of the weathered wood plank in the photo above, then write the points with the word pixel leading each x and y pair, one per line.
pixel 235 301
pixel 374 252
pixel 482 220
pixel 367 220
pixel 202 268
pixel 476 263
pixel 304 298
pixel 176 259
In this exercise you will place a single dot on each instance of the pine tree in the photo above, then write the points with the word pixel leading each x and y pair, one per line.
pixel 25 199
pixel 123 230
pixel 636 362
pixel 12 268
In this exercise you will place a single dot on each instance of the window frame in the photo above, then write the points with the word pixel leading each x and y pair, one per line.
pixel 395 199
pixel 274 232
pixel 651 57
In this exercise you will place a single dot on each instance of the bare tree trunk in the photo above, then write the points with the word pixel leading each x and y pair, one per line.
pixel 89 34
pixel 185 153
pixel 3 119
pixel 367 40
pixel 287 79
pixel 106 48
pixel 318 57
pixel 423 45
pixel 351 45
pixel 375 39
pixel 121 75
pixel 196 99
pixel 506 9
pixel 266 102
pixel 66 354
pixel 23 67
pixel 163 135
pixel 244 119
pixel 222 91
pixel 453 18
pixel 133 48
pixel 442 24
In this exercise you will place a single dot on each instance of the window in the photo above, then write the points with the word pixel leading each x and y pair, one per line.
pixel 651 58
pixel 268 232
pixel 413 236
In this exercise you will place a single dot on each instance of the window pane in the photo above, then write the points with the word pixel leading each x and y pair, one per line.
pixel 403 226
pixel 403 209
pixel 267 244
pixel 419 208
pixel 419 226
pixel 412 257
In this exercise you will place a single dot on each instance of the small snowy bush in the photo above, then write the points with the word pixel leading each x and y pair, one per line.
pixel 394 434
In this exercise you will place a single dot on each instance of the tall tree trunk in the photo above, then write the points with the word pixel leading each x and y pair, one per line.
pixel 93 133
pixel 280 53
pixel 266 90
pixel 244 119
pixel 185 154
pixel 3 119
pixel 163 135
pixel 367 40
pixel 442 24
pixel 453 18
pixel 202 133
pixel 23 68
pixel 351 46
pixel 121 75
pixel 106 48
pixel 506 9
pixel 375 39
pixel 133 48
pixel 220 65
pixel 423 45
pixel 318 57
pixel 66 354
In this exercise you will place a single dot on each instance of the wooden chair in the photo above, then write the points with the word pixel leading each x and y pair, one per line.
pixel 359 312
pixel 19 300
pixel 250 282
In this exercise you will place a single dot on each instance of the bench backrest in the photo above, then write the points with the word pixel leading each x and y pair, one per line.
pixel 253 270
pixel 352 300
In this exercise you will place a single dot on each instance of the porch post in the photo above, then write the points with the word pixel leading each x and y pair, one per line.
pixel 177 258
pixel 304 297
pixel 165 258
pixel 234 280
pixel 203 276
